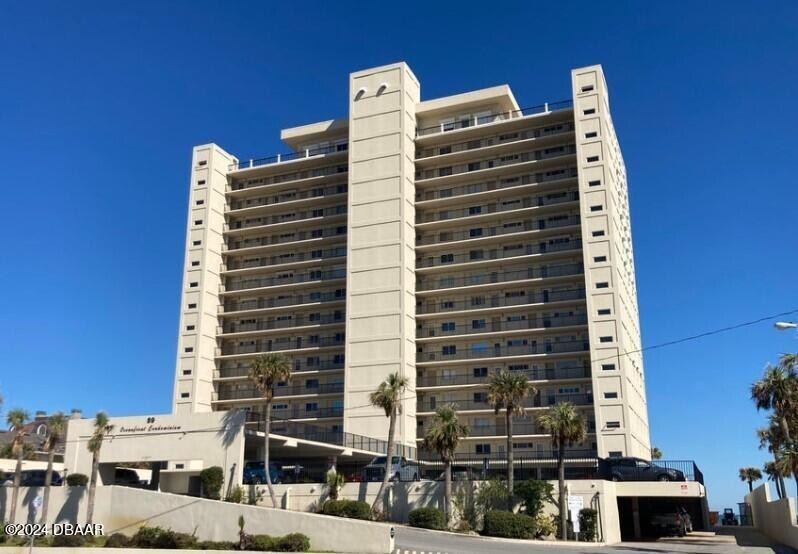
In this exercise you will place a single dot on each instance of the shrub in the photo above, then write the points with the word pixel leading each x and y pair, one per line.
pixel 264 543
pixel 77 480
pixel 212 479
pixel 69 540
pixel 236 496
pixel 534 495
pixel 544 525
pixel 184 540
pixel 509 525
pixel 426 518
pixel 117 540
pixel 216 545
pixel 156 537
pixel 293 542
pixel 587 524
pixel 354 509
pixel 491 495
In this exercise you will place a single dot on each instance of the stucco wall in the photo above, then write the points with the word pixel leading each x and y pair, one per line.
pixel 774 518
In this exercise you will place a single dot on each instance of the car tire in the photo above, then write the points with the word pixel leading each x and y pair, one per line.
pixel 663 478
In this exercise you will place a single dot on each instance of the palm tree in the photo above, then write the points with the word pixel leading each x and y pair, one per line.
pixel 787 460
pixel 55 429
pixel 778 391
pixel 774 475
pixel 95 444
pixel 265 372
pixel 656 453
pixel 443 436
pixel 566 426
pixel 750 474
pixel 508 389
pixel 16 419
pixel 771 437
pixel 387 396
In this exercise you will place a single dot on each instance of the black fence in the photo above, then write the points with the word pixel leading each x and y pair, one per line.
pixel 631 469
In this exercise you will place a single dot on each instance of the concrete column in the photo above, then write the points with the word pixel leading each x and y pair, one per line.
pixel 636 517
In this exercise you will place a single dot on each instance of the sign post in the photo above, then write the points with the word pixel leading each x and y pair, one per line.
pixel 575 505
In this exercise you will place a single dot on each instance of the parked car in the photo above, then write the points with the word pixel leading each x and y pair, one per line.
pixel 33 478
pixel 127 477
pixel 638 469
pixel 254 474
pixel 459 473
pixel 728 517
pixel 401 469
pixel 671 523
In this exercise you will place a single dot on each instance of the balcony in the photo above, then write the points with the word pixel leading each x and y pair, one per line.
pixel 481 378
pixel 284 197
pixel 254 185
pixel 330 364
pixel 475 121
pixel 481 326
pixel 294 217
pixel 270 325
pixel 538 401
pixel 299 390
pixel 481 303
pixel 292 300
pixel 282 259
pixel 553 130
pixel 252 243
pixel 544 272
pixel 291 279
pixel 498 207
pixel 561 175
pixel 291 156
pixel 497 162
pixel 502 351
pixel 484 255
pixel 265 346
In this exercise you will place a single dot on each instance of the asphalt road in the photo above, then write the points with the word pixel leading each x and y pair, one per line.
pixel 726 541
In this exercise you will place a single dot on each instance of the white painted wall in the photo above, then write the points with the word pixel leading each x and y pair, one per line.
pixel 774 518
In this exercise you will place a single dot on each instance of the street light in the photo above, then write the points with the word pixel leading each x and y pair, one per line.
pixel 784 325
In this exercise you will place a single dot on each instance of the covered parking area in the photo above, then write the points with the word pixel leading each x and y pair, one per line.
pixel 639 502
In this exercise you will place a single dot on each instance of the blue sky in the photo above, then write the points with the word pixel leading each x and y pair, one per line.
pixel 101 103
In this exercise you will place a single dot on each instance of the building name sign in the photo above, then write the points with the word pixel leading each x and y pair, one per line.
pixel 149 428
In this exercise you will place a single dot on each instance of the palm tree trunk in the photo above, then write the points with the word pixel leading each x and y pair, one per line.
pixel 510 469
pixel 267 426
pixel 95 469
pixel 447 492
pixel 48 481
pixel 561 480
pixel 388 460
pixel 750 486
pixel 17 482
pixel 785 429
pixel 780 487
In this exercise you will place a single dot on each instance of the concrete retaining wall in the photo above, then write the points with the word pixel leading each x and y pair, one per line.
pixel 774 518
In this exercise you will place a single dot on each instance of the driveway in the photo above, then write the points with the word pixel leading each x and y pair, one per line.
pixel 726 541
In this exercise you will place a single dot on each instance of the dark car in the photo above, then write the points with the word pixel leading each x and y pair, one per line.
pixel 638 469
pixel 254 474
pixel 127 477
pixel 672 523
pixel 728 517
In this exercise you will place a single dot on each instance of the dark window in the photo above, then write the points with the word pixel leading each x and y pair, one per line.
pixel 189 349
pixel 607 367
pixel 604 311
pixel 482 448
pixel 193 284
pixel 591 135
pixel 587 88
pixel 197 242
pixel 447 326
pixel 603 285
pixel 186 372
pixel 613 425
pixel 609 395
pixel 594 183
pixel 614 453
pixel 605 339
pixel 194 263
pixel 597 208
pixel 480 372
pixel 192 306
pixel 598 259
pixel 183 395
pixel 598 233
pixel 201 182
pixel 589 111
pixel 200 202
pixel 189 327
pixel 591 159
pixel 203 162
pixel 480 397
pixel 474 210
pixel 197 222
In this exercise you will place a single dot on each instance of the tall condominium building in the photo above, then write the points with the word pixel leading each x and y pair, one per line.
pixel 443 239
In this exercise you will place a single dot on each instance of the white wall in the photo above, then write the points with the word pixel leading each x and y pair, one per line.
pixel 9 465
pixel 774 518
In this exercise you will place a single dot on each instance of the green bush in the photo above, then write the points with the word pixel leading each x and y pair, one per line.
pixel 117 540
pixel 263 543
pixel 236 495
pixel 426 518
pixel 534 495
pixel 69 540
pixel 509 525
pixel 77 480
pixel 354 509
pixel 212 479
pixel 157 537
pixel 293 542
pixel 588 518
pixel 491 495
pixel 544 526
pixel 216 545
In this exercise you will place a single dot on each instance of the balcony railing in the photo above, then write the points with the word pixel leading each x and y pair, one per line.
pixel 481 302
pixel 283 197
pixel 298 366
pixel 241 393
pixel 293 279
pixel 291 257
pixel 280 345
pixel 279 158
pixel 498 351
pixel 495 140
pixel 481 255
pixel 297 321
pixel 305 215
pixel 482 326
pixel 498 207
pixel 499 161
pixel 498 184
pixel 293 300
pixel 492 118
pixel 289 177
pixel 499 277
pixel 543 401
pixel 285 238
pixel 470 378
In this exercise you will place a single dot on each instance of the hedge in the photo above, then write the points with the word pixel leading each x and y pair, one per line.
pixel 77 480
pixel 426 518
pixel 354 509
pixel 212 479
pixel 117 540
pixel 508 525
pixel 157 537
pixel 587 523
